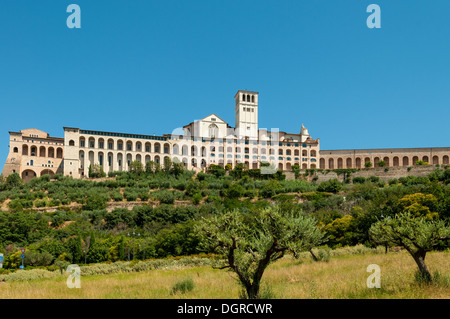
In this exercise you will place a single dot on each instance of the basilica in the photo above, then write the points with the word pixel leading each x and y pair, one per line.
pixel 211 140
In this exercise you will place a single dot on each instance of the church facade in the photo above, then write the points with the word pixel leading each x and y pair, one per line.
pixel 197 145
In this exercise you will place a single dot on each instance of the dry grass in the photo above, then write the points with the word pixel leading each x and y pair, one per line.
pixel 341 277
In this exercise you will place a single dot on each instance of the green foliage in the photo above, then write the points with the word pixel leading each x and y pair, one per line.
pixel 270 189
pixel 35 258
pixel 368 164
pixel 74 246
pixel 416 235
pixel 216 170
pixel 296 169
pixel 332 186
pixel 381 163
pixel 28 275
pixel 250 242
pixel 341 232
pixel 359 180
pixel 136 167
pixel 96 171
pixel 393 181
pixel 165 197
pixel 95 202
pixel 13 180
pixel 196 199
pixel 97 251
pixel 183 286
pixel 234 191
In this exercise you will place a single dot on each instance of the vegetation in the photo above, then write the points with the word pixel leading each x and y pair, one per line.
pixel 86 221
pixel 416 234
pixel 343 276
pixel 250 242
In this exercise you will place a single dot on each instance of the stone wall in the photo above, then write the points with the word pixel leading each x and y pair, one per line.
pixel 392 172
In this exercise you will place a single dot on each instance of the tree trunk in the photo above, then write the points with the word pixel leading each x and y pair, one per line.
pixel 253 291
pixel 419 258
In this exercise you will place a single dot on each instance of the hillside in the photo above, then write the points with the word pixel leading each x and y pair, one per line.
pixel 153 214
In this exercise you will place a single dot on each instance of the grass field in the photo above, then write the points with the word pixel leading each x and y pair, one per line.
pixel 341 277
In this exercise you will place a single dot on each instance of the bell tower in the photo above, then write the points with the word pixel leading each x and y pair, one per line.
pixel 246 114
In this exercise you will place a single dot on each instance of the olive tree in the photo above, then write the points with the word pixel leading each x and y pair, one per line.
pixel 136 167
pixel 416 235
pixel 251 241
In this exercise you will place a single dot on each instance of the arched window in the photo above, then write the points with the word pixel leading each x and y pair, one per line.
pixel 71 143
pixel 16 150
pixel 253 99
pixel 248 98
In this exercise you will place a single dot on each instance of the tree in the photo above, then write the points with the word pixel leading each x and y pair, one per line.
pixel 332 186
pixel 136 167
pixel 416 235
pixel 167 164
pixel 121 249
pixel 75 249
pixel 368 164
pixel 149 166
pixel 381 163
pixel 251 241
pixel 95 202
pixel 420 205
pixel 216 170
pixel 96 170
pixel 177 168
pixel 296 169
pixel 96 252
pixel 13 180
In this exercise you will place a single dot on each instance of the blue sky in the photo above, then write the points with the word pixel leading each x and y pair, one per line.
pixel 148 67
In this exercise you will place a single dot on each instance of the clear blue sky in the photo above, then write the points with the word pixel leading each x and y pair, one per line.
pixel 144 66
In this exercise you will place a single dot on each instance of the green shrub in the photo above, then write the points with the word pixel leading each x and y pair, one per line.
pixel 183 286
pixel 164 196
pixel 359 180
pixel 35 258
pixel 144 196
pixel 393 181
pixel 374 179
pixel 270 189
pixel 234 191
pixel 331 186
pixel 54 202
pixel 130 196
pixel 116 196
pixel 95 202
pixel 27 275
pixel 197 198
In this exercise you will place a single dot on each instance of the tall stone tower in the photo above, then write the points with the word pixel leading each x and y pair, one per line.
pixel 246 114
